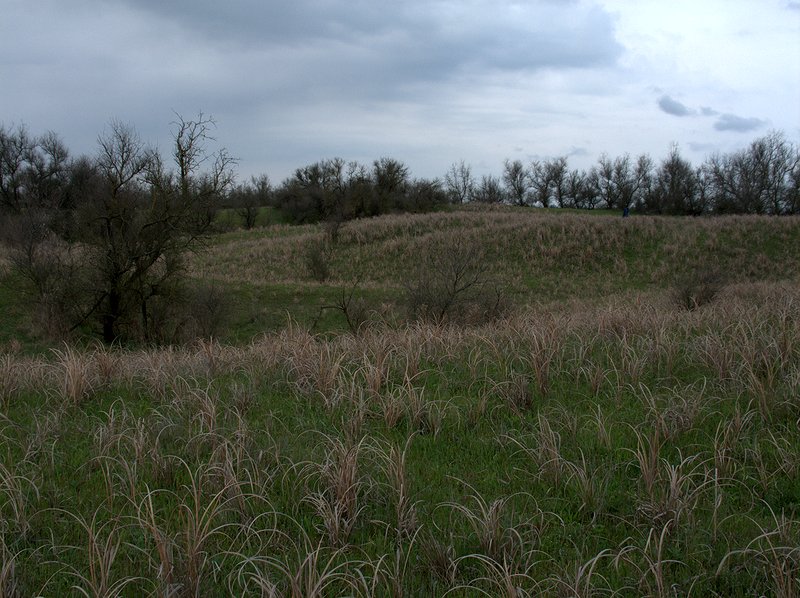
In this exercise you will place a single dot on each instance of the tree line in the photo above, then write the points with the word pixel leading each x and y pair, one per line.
pixel 762 178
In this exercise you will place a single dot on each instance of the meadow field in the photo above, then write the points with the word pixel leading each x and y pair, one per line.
pixel 621 418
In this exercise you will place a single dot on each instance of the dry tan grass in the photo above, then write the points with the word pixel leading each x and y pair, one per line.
pixel 339 489
pixel 750 340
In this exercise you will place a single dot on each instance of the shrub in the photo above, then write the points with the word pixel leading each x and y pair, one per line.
pixel 698 288
pixel 451 283
pixel 208 311
pixel 317 259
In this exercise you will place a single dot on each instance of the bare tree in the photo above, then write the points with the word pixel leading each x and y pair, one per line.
pixel 111 220
pixel 52 268
pixel 643 172
pixel 676 186
pixel 793 188
pixel 451 283
pixel 541 183
pixel 602 178
pixel 34 171
pixel 423 195
pixel 15 146
pixel 591 189
pixel 459 182
pixel 756 180
pixel 557 174
pixel 516 182
pixel 579 190
pixel 360 195
pixel 248 199
pixel 776 162
pixel 489 190
pixel 624 182
pixel 390 175
pixel 703 195
pixel 48 172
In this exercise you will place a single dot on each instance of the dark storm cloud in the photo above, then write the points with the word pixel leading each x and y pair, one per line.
pixel 320 74
pixel 408 42
pixel 673 106
pixel 738 124
pixel 248 22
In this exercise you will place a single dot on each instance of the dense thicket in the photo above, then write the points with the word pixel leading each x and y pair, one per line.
pixel 337 190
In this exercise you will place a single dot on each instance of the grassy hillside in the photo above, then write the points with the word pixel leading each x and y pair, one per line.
pixel 601 439
pixel 535 256
pixel 530 247
pixel 538 256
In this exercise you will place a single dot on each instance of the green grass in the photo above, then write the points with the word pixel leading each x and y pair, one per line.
pixel 465 459
pixel 17 330
pixel 229 218
pixel 259 309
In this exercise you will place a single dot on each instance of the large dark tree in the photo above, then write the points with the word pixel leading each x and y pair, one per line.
pixel 459 182
pixel 516 181
pixel 760 179
pixel 147 216
pixel 133 221
pixel 676 189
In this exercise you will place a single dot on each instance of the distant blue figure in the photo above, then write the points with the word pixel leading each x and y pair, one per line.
pixel 625 212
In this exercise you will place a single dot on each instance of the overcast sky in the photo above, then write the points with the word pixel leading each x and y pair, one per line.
pixel 290 82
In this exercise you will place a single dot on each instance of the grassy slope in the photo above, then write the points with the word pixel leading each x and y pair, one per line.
pixel 541 256
pixel 530 439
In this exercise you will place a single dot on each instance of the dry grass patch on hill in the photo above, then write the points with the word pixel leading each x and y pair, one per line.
pixel 549 251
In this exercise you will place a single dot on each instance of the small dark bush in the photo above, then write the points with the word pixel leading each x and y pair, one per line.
pixel 208 312
pixel 317 259
pixel 183 314
pixel 698 288
pixel 452 284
